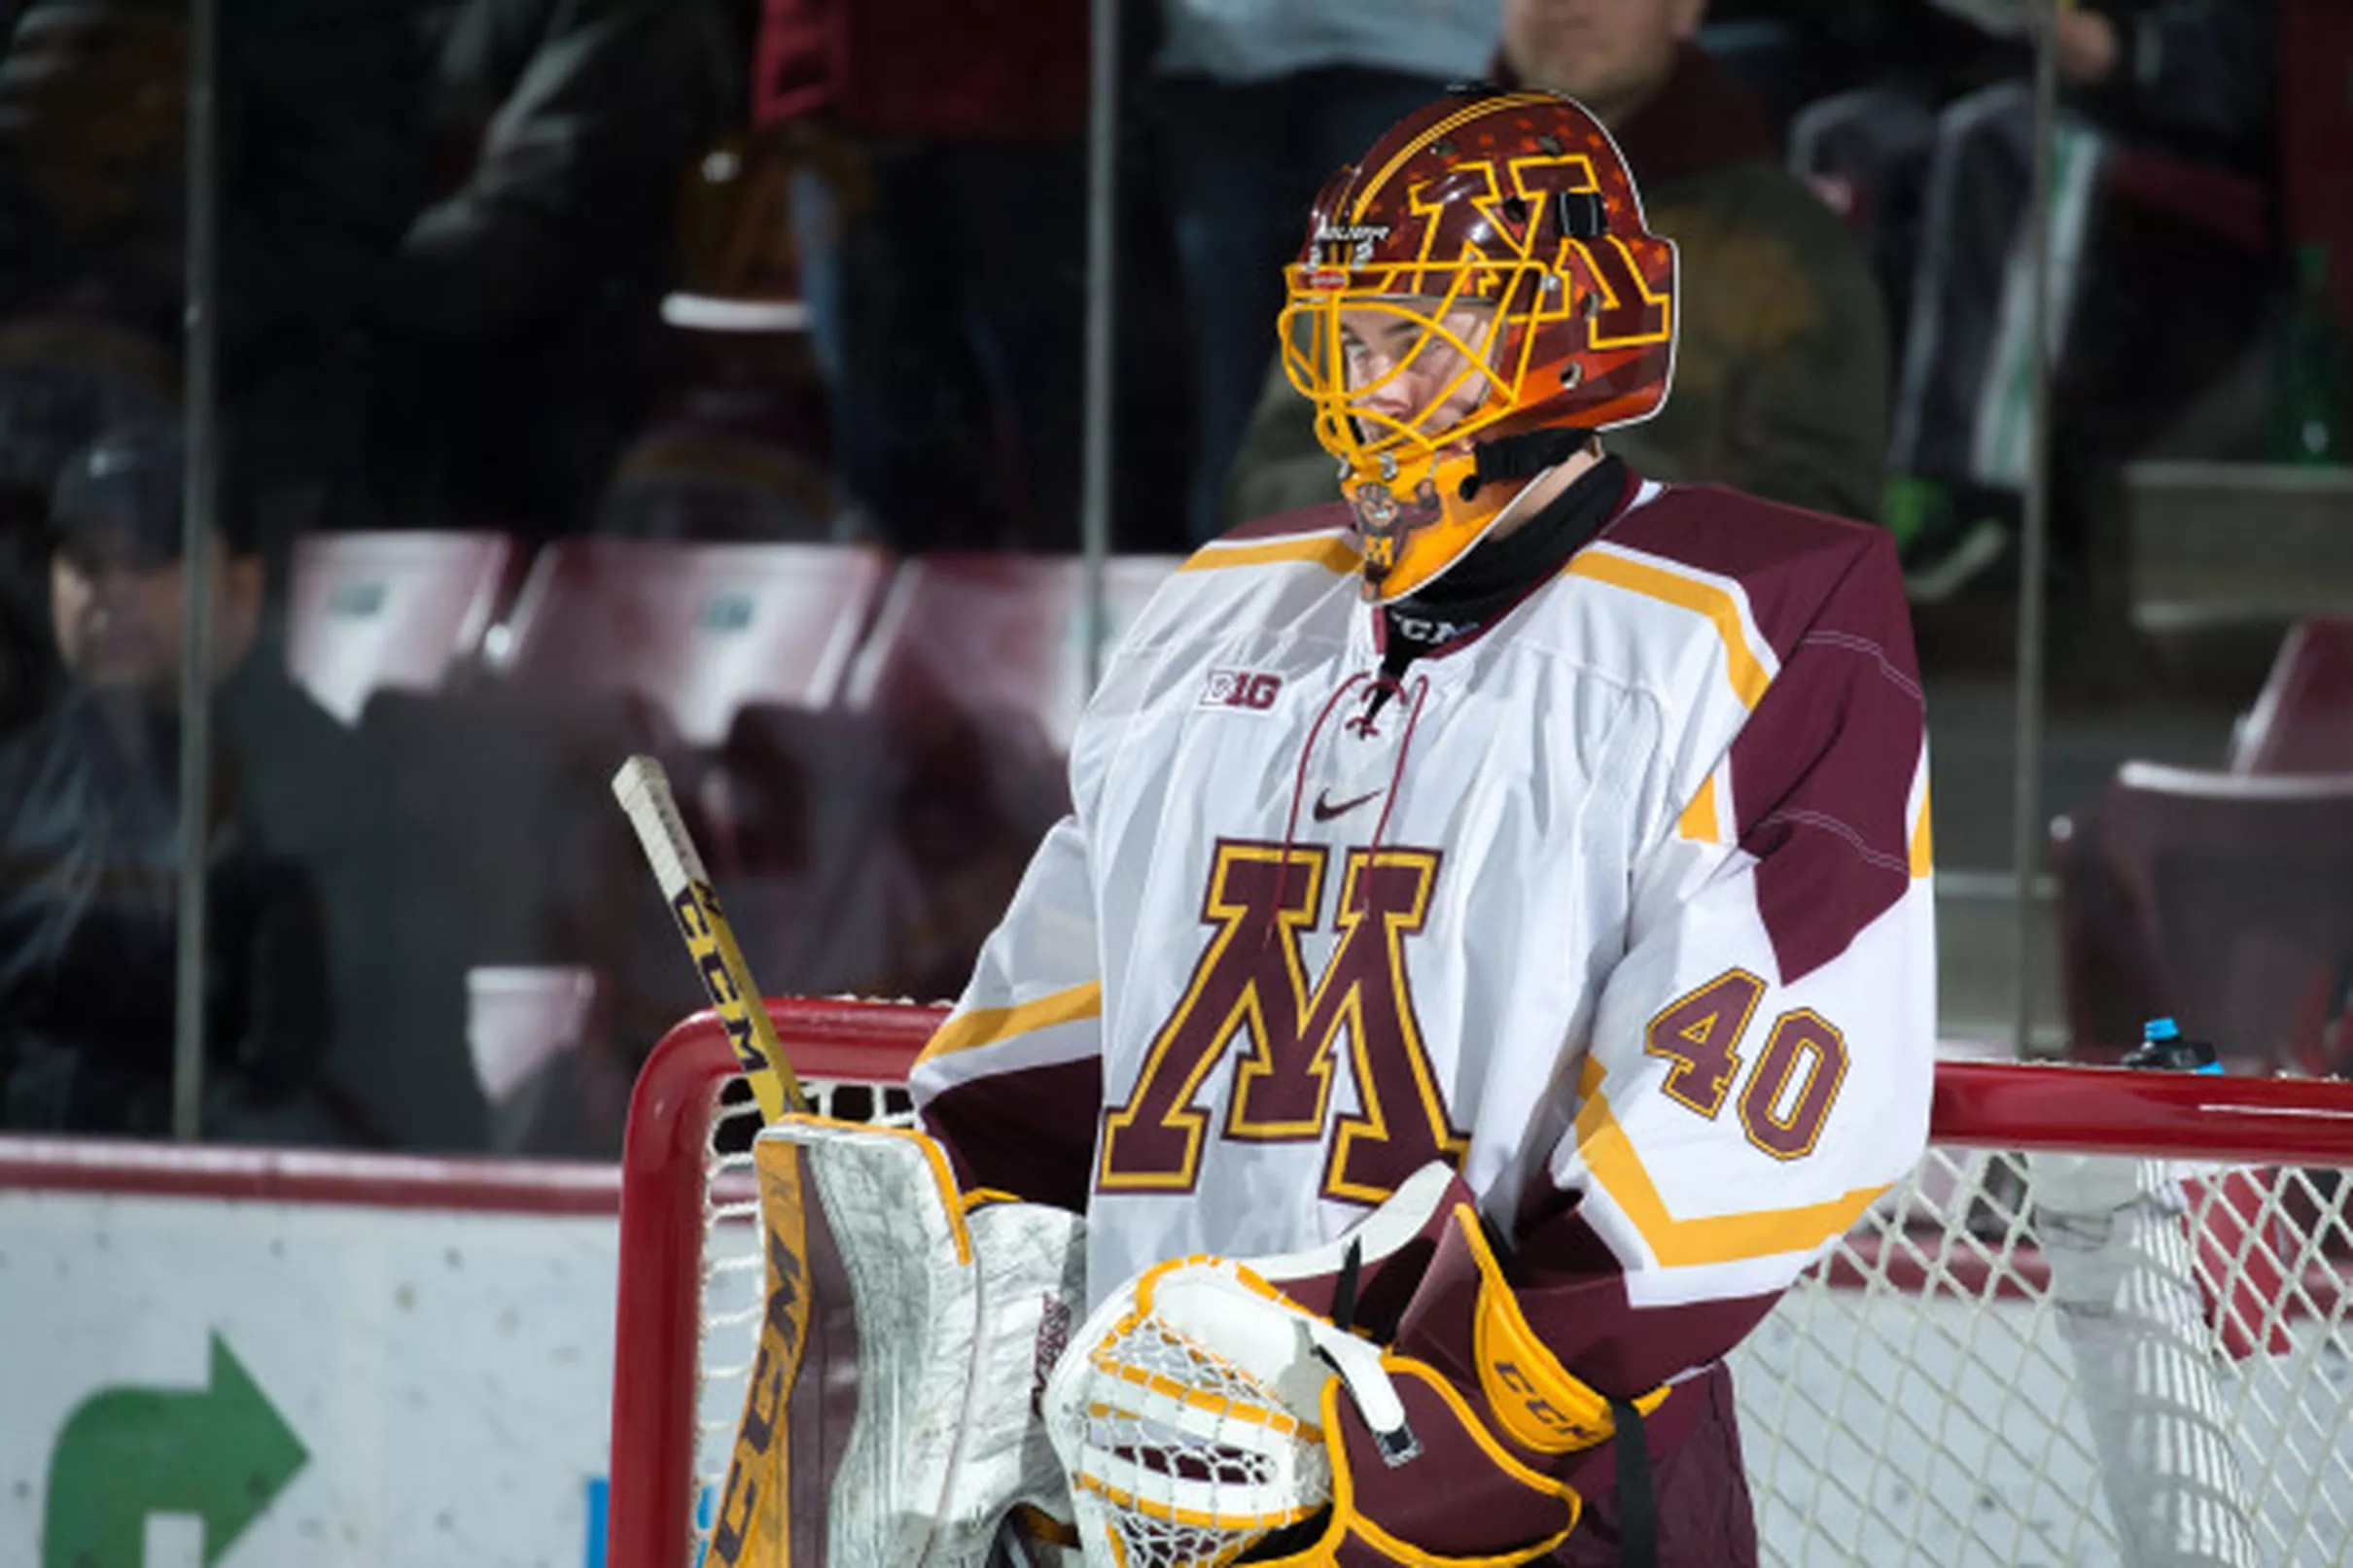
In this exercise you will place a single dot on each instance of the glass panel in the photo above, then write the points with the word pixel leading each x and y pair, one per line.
pixel 92 112
pixel 521 409
pixel 510 320
pixel 2198 503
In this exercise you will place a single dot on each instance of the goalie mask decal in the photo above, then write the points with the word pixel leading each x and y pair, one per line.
pixel 1385 524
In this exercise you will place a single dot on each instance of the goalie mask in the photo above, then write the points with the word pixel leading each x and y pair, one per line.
pixel 1475 296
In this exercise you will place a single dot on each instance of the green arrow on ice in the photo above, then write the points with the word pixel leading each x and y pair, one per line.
pixel 221 1452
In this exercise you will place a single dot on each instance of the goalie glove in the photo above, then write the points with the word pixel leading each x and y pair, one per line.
pixel 1204 1410
pixel 1195 1408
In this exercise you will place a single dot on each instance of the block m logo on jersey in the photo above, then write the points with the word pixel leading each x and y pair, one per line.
pixel 1249 991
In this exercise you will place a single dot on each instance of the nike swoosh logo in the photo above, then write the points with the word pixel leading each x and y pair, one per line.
pixel 1324 811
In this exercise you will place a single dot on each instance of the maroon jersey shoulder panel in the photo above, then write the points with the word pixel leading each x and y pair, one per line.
pixel 1030 1132
pixel 1787 560
pixel 1822 772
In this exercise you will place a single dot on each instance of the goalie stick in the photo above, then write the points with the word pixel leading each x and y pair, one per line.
pixel 1028 1264
pixel 643 788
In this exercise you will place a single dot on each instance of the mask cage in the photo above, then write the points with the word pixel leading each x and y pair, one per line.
pixel 1501 348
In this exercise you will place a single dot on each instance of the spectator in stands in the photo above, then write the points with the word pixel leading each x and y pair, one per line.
pixel 520 328
pixel 298 847
pixel 1261 102
pixel 318 170
pixel 28 665
pixel 93 106
pixel 90 831
pixel 741 450
pixel 445 223
pixel 1780 361
pixel 64 380
pixel 93 103
pixel 2195 80
pixel 943 242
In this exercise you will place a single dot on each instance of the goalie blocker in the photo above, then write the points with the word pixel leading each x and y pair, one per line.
pixel 891 1419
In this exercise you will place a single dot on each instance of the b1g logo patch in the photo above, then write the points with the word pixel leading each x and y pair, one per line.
pixel 1252 691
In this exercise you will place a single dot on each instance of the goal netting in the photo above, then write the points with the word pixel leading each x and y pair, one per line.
pixel 2108 1321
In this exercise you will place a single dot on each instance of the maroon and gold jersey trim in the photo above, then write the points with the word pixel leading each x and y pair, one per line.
pixel 1335 552
pixel 1923 840
pixel 1655 578
pixel 986 1025
pixel 1712 1239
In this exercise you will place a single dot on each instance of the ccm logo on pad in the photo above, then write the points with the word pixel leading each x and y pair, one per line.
pixel 1254 691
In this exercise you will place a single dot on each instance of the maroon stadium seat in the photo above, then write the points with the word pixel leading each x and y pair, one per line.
pixel 974 676
pixel 370 612
pixel 2230 207
pixel 804 802
pixel 2222 899
pixel 548 1073
pixel 994 636
pixel 697 630
pixel 2303 721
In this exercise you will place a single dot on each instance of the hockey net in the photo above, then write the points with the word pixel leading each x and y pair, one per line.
pixel 2109 1319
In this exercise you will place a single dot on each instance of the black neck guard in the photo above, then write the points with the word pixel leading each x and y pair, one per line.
pixel 1498 572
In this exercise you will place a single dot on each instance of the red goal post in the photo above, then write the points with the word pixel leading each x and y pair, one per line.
pixel 1940 1388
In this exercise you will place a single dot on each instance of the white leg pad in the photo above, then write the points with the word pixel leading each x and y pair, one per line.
pixel 959 1320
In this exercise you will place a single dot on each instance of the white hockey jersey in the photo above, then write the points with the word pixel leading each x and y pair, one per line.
pixel 1622 905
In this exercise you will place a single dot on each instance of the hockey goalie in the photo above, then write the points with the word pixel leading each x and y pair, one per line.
pixel 1489 958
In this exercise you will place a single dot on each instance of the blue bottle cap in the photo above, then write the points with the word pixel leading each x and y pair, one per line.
pixel 2161 1029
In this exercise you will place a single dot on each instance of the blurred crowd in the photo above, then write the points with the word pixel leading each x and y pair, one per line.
pixel 673 275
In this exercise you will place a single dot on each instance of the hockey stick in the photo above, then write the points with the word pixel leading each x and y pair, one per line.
pixel 643 789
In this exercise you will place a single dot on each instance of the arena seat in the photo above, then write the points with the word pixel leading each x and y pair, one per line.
pixel 800 802
pixel 536 1038
pixel 974 677
pixel 697 630
pixel 368 611
pixel 2230 207
pixel 2222 899
pixel 717 486
pixel 996 636
pixel 2303 719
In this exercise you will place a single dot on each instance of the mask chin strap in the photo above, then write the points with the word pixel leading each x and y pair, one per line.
pixel 1520 457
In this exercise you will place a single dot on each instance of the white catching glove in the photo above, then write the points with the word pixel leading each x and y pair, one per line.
pixel 1188 1410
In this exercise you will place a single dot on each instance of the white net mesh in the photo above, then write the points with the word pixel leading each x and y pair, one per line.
pixel 1946 1387
pixel 1192 1456
pixel 1979 1378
